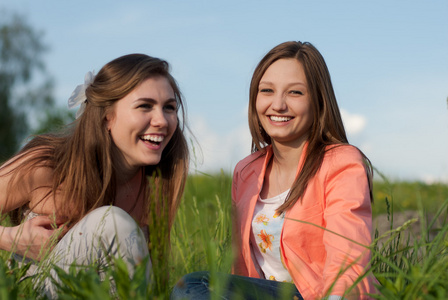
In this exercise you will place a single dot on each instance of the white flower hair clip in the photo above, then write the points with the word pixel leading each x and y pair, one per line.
pixel 78 96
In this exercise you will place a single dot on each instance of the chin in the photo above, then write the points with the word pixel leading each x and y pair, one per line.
pixel 152 162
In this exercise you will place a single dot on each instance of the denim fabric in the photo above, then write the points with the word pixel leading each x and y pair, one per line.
pixel 197 286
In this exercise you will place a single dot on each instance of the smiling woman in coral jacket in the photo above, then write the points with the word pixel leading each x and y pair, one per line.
pixel 303 197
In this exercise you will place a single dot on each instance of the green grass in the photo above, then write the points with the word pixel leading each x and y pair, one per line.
pixel 408 265
pixel 408 195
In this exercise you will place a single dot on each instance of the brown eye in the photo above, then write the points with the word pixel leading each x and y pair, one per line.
pixel 145 106
pixel 295 92
pixel 170 108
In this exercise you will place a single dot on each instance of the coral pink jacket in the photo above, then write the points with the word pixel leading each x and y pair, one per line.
pixel 337 198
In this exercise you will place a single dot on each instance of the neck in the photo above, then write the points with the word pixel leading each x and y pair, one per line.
pixel 124 172
pixel 126 175
pixel 282 169
pixel 129 196
pixel 287 158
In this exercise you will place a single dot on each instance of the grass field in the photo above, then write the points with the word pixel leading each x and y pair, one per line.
pixel 409 264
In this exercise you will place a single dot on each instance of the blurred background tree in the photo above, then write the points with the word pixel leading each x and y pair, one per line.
pixel 27 104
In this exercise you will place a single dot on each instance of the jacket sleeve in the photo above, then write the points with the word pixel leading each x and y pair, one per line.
pixel 348 218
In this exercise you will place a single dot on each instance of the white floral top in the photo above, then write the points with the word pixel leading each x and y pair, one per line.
pixel 266 231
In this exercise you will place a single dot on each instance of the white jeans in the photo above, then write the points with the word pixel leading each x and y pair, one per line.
pixel 106 232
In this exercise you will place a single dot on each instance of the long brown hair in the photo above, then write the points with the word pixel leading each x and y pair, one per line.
pixel 327 128
pixel 84 173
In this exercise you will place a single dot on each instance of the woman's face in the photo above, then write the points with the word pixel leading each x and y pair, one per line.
pixel 283 103
pixel 143 122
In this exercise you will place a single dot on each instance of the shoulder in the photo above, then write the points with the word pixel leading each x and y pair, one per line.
pixel 31 165
pixel 342 155
pixel 343 151
pixel 344 161
pixel 249 168
pixel 250 159
pixel 21 178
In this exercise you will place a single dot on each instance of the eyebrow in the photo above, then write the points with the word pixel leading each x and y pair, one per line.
pixel 290 84
pixel 151 100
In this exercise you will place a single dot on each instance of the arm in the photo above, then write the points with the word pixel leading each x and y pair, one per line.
pixel 31 238
pixel 11 199
pixel 33 235
pixel 348 213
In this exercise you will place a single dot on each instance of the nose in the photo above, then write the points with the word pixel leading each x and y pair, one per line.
pixel 159 119
pixel 279 102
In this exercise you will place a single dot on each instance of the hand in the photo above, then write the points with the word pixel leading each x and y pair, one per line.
pixel 36 237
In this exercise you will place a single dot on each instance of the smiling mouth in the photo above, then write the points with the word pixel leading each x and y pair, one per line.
pixel 279 119
pixel 153 139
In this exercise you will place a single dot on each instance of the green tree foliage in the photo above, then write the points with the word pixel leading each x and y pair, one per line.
pixel 25 87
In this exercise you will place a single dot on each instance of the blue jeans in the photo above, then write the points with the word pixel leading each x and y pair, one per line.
pixel 197 286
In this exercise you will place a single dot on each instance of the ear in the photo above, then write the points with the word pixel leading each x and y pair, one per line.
pixel 110 119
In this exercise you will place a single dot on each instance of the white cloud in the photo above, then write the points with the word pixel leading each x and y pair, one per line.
pixel 218 150
pixel 353 123
pixel 215 150
pixel 431 179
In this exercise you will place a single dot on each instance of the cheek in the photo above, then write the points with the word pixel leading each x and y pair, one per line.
pixel 303 108
pixel 259 106
pixel 172 121
pixel 172 126
pixel 310 112
pixel 309 117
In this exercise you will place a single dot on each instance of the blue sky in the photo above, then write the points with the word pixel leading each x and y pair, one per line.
pixel 388 61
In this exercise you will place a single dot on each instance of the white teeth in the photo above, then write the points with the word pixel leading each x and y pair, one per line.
pixel 280 119
pixel 153 138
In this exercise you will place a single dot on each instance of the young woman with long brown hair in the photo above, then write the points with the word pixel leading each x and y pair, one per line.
pixel 82 195
pixel 302 199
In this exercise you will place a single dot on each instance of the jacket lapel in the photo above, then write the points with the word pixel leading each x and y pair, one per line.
pixel 255 173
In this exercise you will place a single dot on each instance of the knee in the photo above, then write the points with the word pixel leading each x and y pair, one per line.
pixel 108 219
pixel 106 211
pixel 193 278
